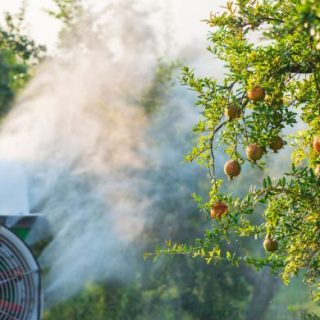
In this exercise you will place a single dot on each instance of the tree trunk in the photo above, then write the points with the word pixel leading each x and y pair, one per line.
pixel 266 285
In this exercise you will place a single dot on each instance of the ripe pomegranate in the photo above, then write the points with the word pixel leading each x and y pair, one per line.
pixel 276 143
pixel 254 152
pixel 218 210
pixel 317 170
pixel 232 112
pixel 256 94
pixel 270 244
pixel 232 168
pixel 316 144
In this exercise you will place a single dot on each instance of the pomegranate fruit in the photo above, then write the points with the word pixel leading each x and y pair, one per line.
pixel 232 168
pixel 256 94
pixel 270 244
pixel 316 144
pixel 254 152
pixel 232 112
pixel 218 210
pixel 276 143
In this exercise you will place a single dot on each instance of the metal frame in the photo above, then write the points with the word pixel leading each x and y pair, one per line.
pixel 30 259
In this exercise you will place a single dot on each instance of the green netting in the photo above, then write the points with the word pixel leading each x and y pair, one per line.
pixel 21 232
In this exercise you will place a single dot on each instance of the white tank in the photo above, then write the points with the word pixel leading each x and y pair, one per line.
pixel 13 190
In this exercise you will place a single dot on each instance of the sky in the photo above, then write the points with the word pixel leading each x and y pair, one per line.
pixel 184 15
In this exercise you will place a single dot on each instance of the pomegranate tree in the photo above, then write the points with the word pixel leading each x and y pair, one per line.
pixel 276 84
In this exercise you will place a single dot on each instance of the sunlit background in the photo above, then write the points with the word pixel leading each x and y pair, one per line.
pixel 185 18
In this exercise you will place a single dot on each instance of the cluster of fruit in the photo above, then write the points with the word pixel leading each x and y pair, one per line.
pixel 220 208
pixel 254 152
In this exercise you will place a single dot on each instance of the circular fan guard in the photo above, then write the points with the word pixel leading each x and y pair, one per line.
pixel 19 279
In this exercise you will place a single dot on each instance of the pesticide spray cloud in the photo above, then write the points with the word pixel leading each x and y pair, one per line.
pixel 81 135
pixel 98 167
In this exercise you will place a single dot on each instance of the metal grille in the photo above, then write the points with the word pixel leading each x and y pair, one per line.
pixel 19 279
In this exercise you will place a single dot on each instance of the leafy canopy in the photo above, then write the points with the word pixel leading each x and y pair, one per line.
pixel 285 65
pixel 18 55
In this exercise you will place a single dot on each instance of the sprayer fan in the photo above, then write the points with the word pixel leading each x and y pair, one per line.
pixel 19 279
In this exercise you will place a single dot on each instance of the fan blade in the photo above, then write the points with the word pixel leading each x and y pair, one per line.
pixel 18 275
pixel 8 316
pixel 9 306
pixel 11 274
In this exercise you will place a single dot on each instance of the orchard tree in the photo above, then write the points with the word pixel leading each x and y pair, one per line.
pixel 19 54
pixel 269 85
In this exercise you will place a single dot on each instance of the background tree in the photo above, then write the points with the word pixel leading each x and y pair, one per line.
pixel 18 55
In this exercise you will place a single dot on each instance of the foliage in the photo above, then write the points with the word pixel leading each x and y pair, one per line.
pixel 286 66
pixel 68 12
pixel 87 305
pixel 18 54
pixel 309 316
pixel 180 289
pixel 162 81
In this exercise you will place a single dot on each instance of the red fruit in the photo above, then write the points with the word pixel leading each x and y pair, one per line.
pixel 317 170
pixel 232 168
pixel 316 144
pixel 232 112
pixel 218 210
pixel 270 244
pixel 276 143
pixel 254 152
pixel 256 94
